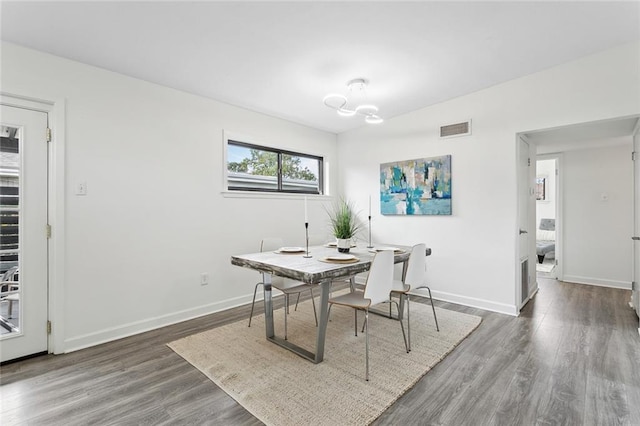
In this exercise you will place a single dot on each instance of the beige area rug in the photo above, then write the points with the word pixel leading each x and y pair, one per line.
pixel 281 388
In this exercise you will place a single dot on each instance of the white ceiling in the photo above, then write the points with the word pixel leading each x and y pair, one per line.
pixel 282 58
pixel 585 135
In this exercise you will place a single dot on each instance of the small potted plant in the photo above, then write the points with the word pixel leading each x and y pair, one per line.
pixel 344 224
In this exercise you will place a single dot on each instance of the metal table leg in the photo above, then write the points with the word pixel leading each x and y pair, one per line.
pixel 321 332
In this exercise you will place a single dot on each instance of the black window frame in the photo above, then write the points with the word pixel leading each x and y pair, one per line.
pixel 279 152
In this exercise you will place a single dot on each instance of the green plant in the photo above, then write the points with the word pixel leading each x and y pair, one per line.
pixel 344 221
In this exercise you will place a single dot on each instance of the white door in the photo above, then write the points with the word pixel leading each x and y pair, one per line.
pixel 525 283
pixel 636 216
pixel 24 167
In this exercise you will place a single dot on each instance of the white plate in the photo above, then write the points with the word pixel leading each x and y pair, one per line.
pixel 341 257
pixel 290 249
pixel 377 249
pixel 334 244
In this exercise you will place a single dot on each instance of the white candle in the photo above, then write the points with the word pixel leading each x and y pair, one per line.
pixel 306 217
pixel 369 205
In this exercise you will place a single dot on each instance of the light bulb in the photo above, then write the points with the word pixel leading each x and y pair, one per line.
pixel 373 119
pixel 335 100
pixel 366 109
pixel 346 112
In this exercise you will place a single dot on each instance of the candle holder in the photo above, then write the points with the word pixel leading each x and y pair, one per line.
pixel 370 245
pixel 306 231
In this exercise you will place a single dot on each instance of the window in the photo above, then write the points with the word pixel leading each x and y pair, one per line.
pixel 258 168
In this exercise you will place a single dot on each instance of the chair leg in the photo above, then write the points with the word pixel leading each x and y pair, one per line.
pixel 434 310
pixel 404 336
pixel 408 322
pixel 255 289
pixel 313 303
pixel 286 308
pixel 10 309
pixel 355 313
pixel 366 320
pixel 297 300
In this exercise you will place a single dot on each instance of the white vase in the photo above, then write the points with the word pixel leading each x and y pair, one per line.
pixel 344 244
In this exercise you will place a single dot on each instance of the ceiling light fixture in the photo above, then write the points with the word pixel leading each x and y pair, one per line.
pixel 341 103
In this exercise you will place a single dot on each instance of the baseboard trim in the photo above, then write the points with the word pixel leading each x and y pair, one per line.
pixel 625 285
pixel 473 302
pixel 137 327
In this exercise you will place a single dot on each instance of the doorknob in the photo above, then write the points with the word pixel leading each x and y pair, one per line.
pixel 635 238
pixel 522 231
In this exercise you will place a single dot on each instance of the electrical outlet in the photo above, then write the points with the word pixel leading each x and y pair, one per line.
pixel 204 278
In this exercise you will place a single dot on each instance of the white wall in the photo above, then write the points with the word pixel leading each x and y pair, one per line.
pixel 155 217
pixel 598 216
pixel 474 250
pixel 547 208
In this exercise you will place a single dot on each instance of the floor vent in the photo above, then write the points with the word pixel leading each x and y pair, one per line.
pixel 524 279
pixel 457 129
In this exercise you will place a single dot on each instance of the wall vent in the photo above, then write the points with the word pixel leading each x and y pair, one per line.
pixel 457 129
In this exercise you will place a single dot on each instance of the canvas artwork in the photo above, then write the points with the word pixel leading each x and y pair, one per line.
pixel 416 187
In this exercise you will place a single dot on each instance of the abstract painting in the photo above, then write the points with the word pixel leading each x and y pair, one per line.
pixel 416 187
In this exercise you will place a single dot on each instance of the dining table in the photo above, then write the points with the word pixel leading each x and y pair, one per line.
pixel 320 265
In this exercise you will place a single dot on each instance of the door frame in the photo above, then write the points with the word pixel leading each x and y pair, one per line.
pixel 635 251
pixel 530 226
pixel 55 110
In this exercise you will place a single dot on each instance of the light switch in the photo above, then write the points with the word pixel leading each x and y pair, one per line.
pixel 81 188
pixel 604 196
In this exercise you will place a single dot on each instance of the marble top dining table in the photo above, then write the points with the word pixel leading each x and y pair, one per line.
pixel 310 270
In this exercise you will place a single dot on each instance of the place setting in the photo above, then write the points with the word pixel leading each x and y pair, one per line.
pixel 396 250
pixel 339 258
pixel 334 244
pixel 290 250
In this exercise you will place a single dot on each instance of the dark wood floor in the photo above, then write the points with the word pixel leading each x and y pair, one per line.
pixel 571 358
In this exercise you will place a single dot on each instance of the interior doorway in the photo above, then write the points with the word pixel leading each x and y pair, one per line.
pixel 548 200
pixel 593 185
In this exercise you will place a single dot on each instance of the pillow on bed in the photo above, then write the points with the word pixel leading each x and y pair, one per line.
pixel 545 235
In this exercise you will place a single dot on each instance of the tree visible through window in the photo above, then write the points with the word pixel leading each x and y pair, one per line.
pixel 256 168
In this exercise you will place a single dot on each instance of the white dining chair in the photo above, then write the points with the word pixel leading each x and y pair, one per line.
pixel 376 290
pixel 416 279
pixel 284 285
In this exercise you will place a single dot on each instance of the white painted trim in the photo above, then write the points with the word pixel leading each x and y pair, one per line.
pixel 55 110
pixel 57 221
pixel 473 302
pixel 274 195
pixel 115 333
pixel 137 327
pixel 626 285
pixel 531 249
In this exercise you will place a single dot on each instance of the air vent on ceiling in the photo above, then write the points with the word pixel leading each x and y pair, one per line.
pixel 457 129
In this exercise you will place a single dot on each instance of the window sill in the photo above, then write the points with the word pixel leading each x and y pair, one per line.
pixel 273 195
